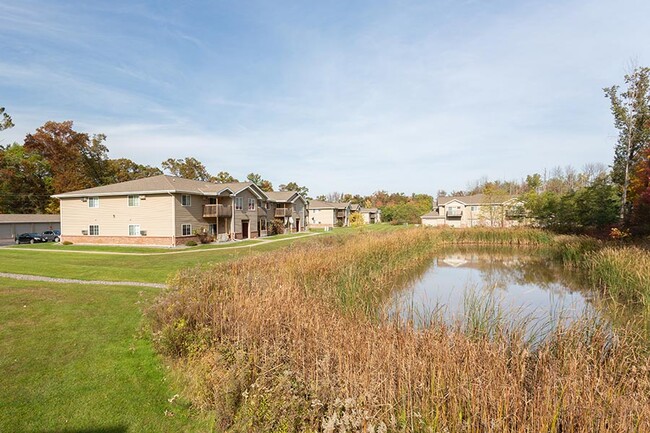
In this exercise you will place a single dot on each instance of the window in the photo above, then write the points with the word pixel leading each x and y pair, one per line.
pixel 93 230
pixel 134 229
pixel 474 208
pixel 93 201
pixel 134 200
pixel 186 229
pixel 239 203
pixel 251 204
pixel 186 200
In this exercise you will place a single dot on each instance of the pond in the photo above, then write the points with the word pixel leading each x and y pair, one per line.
pixel 512 286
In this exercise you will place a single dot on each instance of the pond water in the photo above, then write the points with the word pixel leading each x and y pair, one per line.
pixel 511 285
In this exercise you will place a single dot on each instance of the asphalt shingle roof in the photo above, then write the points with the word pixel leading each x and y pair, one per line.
pixel 29 218
pixel 160 183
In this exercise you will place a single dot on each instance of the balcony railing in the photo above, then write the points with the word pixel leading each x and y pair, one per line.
pixel 282 212
pixel 515 213
pixel 214 210
pixel 454 213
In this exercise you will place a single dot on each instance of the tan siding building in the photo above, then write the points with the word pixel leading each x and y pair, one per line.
pixel 160 210
pixel 325 214
pixel 475 210
pixel 168 210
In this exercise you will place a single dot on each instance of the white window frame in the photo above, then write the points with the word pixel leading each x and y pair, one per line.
pixel 137 232
pixel 251 204
pixel 239 203
pixel 93 200
pixel 189 200
pixel 189 229
pixel 136 202
pixel 90 230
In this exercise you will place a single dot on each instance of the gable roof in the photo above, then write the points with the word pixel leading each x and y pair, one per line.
pixel 477 199
pixel 432 215
pixel 164 184
pixel 284 196
pixel 319 204
pixel 8 218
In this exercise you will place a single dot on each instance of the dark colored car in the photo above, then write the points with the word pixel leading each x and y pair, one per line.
pixel 30 238
pixel 51 235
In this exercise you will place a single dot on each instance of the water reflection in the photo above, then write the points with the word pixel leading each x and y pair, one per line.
pixel 520 289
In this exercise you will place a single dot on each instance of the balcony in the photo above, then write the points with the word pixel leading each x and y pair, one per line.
pixel 454 213
pixel 282 212
pixel 515 213
pixel 214 210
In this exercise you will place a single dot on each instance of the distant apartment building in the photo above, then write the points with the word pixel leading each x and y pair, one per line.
pixel 324 214
pixel 169 210
pixel 371 215
pixel 476 210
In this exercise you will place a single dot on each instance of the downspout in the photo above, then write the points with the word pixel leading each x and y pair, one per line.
pixel 173 219
pixel 232 220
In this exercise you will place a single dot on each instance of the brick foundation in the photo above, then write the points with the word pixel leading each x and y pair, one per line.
pixel 130 240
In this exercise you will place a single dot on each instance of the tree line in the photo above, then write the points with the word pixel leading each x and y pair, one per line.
pixel 56 158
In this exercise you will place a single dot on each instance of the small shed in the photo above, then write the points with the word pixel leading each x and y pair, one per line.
pixel 12 225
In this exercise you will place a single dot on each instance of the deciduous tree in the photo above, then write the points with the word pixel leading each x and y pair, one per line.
pixel 75 159
pixel 5 120
pixel 123 169
pixel 264 184
pixel 293 186
pixel 188 168
pixel 631 111
pixel 224 177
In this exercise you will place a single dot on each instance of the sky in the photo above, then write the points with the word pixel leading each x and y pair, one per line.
pixel 345 96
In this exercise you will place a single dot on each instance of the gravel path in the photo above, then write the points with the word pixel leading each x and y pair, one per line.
pixel 69 280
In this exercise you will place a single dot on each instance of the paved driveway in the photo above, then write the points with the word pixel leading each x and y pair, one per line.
pixel 6 241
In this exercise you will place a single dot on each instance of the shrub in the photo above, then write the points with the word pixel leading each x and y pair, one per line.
pixel 66 243
pixel 190 244
pixel 356 220
pixel 276 227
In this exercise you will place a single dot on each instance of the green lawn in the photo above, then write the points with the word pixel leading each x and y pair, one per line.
pixel 126 249
pixel 74 358
pixel 113 267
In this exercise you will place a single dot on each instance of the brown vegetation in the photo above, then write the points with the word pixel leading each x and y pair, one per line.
pixel 292 342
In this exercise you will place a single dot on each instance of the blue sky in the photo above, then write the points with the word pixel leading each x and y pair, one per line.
pixel 348 96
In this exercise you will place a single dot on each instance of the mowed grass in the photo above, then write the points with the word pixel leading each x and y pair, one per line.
pixel 144 268
pixel 74 358
pixel 115 267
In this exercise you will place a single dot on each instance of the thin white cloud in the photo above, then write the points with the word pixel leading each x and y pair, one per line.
pixel 406 97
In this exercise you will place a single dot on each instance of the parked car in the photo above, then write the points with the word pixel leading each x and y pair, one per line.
pixel 51 235
pixel 30 238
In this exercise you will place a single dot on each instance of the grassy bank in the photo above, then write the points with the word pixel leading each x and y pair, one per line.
pixel 73 358
pixel 286 343
pixel 620 272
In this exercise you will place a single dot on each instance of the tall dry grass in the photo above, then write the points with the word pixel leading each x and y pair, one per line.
pixel 287 341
